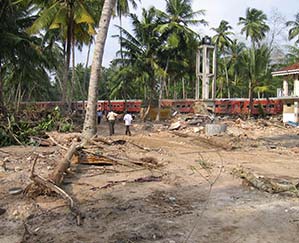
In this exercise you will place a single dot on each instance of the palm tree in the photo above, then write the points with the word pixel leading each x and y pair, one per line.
pixel 89 127
pixel 175 21
pixel 177 38
pixel 292 55
pixel 221 38
pixel 222 42
pixel 122 9
pixel 74 22
pixel 255 71
pixel 140 49
pixel 254 25
pixel 25 61
pixel 294 30
pixel 234 54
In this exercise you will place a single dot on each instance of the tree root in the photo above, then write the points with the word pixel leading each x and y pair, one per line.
pixel 50 186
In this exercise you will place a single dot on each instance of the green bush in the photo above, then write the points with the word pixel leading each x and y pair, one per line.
pixel 19 128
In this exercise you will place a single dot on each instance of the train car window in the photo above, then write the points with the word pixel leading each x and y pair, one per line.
pixel 216 106
pixel 256 106
pixel 223 106
pixel 247 106
pixel 264 106
pixel 271 106
pixel 229 106
pixel 189 105
pixel 289 104
pixel 183 106
pixel 178 106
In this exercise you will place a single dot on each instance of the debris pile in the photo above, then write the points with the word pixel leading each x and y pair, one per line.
pixel 267 184
pixel 191 120
pixel 105 153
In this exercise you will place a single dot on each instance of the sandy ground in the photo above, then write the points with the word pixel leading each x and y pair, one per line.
pixel 197 199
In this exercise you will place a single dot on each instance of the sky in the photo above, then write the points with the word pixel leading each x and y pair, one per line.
pixel 215 11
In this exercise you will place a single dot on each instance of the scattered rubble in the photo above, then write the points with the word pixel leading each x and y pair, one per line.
pixel 153 185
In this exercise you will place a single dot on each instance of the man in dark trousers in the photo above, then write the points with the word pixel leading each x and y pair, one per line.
pixel 128 122
pixel 100 115
pixel 111 119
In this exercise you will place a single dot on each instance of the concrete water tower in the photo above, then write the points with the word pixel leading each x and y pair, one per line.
pixel 206 69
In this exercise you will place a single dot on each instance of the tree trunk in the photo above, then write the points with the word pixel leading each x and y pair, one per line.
pixel 162 81
pixel 2 107
pixel 58 173
pixel 160 99
pixel 90 128
pixel 227 81
pixel 174 91
pixel 166 88
pixel 145 92
pixel 86 69
pixel 67 59
pixel 73 71
pixel 183 86
pixel 250 96
pixel 169 88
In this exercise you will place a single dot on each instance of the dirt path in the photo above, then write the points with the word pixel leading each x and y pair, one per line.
pixel 197 200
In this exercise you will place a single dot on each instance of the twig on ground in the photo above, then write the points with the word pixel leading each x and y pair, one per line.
pixel 50 185
pixel 211 184
pixel 56 143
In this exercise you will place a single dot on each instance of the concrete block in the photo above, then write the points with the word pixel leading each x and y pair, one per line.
pixel 214 129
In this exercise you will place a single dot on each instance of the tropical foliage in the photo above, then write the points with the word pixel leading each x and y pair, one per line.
pixel 156 58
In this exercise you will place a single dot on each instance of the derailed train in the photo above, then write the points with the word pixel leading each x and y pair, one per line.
pixel 271 106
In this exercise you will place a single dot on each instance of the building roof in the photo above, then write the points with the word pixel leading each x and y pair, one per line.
pixel 290 70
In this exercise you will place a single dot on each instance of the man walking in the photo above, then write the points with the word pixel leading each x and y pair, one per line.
pixel 99 114
pixel 128 122
pixel 111 119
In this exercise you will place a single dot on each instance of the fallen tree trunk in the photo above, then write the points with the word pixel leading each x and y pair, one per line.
pixel 52 187
pixel 57 176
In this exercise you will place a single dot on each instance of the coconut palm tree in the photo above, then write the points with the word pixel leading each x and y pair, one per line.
pixel 74 22
pixel 255 63
pixel 292 55
pixel 294 28
pixel 177 37
pixel 89 127
pixel 254 25
pixel 140 49
pixel 222 42
pixel 123 9
pixel 234 54
pixel 221 38
pixel 175 23
pixel 25 60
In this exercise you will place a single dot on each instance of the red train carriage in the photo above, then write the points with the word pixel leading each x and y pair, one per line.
pixel 221 106
pixel 133 106
pixel 183 106
pixel 241 106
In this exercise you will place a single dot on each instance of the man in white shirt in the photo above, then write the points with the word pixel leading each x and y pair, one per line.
pixel 128 122
pixel 111 119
